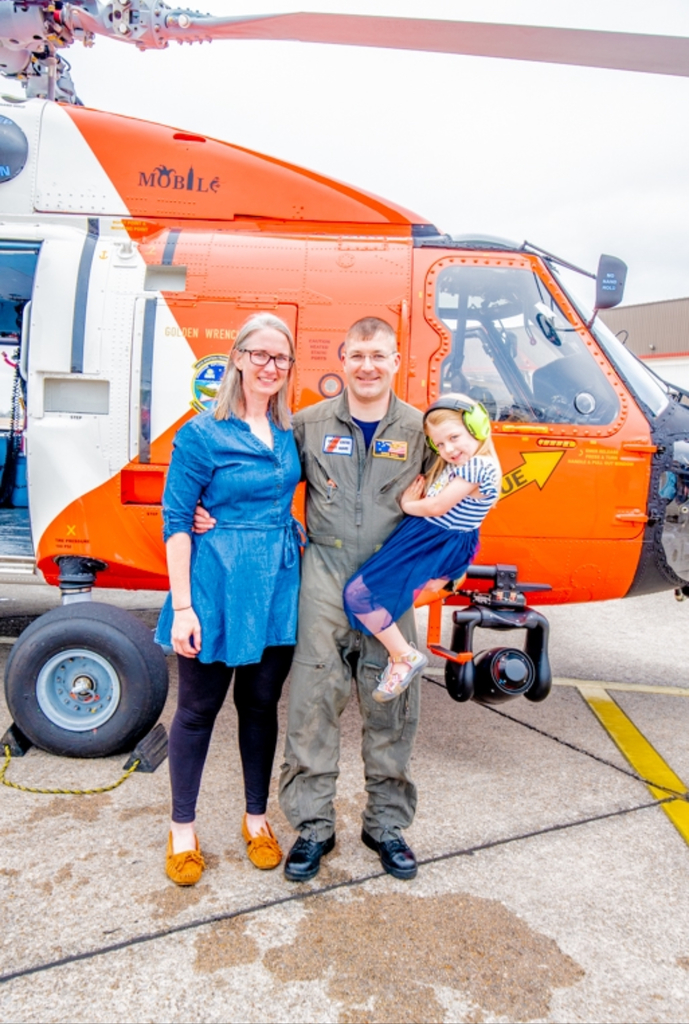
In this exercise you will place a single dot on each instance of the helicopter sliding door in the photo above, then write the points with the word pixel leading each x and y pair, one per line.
pixel 509 339
pixel 17 270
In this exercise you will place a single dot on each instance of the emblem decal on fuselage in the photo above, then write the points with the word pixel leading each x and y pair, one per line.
pixel 14 149
pixel 330 385
pixel 168 178
pixel 208 373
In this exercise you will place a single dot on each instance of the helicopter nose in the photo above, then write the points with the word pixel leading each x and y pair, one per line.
pixel 673 488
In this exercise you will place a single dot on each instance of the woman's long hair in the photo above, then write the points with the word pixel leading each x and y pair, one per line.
pixel 229 400
pixel 438 416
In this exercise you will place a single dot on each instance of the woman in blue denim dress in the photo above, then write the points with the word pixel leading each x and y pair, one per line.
pixel 232 607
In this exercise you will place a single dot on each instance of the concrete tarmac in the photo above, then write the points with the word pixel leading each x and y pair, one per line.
pixel 552 885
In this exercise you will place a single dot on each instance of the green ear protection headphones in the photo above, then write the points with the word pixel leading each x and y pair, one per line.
pixel 474 414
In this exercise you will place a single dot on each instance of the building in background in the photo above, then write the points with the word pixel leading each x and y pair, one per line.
pixel 657 332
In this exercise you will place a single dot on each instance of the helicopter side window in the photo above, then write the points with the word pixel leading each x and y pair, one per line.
pixel 514 350
pixel 17 267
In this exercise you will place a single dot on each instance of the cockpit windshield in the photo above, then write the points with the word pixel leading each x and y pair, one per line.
pixel 513 349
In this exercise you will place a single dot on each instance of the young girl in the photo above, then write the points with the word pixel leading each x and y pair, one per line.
pixel 436 540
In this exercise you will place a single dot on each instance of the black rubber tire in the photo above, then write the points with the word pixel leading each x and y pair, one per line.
pixel 125 643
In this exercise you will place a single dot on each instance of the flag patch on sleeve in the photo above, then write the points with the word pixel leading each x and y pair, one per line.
pixel 385 449
pixel 334 444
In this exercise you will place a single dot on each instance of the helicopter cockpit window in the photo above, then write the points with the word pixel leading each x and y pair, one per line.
pixel 642 382
pixel 514 350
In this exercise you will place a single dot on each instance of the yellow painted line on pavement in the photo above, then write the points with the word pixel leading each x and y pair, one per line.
pixel 643 757
pixel 672 691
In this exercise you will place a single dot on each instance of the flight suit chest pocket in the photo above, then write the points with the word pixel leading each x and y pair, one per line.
pixel 321 477
pixel 398 478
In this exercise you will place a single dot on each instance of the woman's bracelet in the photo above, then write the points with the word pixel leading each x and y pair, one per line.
pixel 185 609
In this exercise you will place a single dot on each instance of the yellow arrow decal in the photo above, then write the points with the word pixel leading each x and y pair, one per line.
pixel 536 468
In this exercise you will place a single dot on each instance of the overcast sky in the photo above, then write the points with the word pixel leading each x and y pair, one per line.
pixel 579 161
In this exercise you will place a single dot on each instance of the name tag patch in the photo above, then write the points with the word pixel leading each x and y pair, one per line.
pixel 333 444
pixel 385 449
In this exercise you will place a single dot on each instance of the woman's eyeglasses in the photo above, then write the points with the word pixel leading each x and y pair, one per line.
pixel 260 358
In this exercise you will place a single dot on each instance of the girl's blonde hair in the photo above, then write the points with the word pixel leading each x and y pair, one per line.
pixel 438 416
pixel 229 400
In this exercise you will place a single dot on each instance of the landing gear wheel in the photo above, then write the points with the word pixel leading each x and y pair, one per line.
pixel 86 680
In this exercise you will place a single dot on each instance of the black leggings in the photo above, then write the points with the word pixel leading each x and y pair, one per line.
pixel 202 690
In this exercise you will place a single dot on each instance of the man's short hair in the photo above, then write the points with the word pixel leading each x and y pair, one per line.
pixel 368 327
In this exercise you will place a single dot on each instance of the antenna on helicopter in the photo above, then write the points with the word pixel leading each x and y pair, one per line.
pixel 34 31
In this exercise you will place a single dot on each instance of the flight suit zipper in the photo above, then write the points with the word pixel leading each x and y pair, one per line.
pixel 362 456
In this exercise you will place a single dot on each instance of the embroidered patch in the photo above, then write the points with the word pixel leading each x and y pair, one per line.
pixel 333 444
pixel 384 449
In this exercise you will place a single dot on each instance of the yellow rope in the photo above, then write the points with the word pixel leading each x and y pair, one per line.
pixel 61 792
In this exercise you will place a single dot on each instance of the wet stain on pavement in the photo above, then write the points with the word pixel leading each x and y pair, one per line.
pixel 236 855
pixel 175 899
pixel 331 874
pixel 383 956
pixel 224 945
pixel 60 878
pixel 158 810
pixel 87 808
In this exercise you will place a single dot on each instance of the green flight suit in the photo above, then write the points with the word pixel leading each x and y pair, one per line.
pixel 352 505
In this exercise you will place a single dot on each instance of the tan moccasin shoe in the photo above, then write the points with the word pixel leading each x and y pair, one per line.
pixel 184 868
pixel 262 850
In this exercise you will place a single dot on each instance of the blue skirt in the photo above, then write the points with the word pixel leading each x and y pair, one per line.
pixel 387 584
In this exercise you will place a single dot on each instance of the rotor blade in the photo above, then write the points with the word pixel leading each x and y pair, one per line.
pixel 623 51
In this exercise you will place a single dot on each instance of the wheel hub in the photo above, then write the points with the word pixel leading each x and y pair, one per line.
pixel 83 687
pixel 78 690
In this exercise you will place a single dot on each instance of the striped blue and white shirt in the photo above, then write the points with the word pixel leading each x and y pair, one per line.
pixel 471 511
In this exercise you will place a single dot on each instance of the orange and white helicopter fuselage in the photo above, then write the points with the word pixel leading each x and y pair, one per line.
pixel 145 248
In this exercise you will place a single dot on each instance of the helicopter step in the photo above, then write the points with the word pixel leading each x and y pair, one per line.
pixel 501 673
pixel 17 565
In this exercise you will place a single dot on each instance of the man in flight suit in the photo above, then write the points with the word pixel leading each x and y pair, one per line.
pixel 359 452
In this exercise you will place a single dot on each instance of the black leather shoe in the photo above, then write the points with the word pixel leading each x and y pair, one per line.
pixel 304 859
pixel 396 857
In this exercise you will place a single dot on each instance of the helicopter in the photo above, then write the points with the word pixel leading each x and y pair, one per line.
pixel 132 252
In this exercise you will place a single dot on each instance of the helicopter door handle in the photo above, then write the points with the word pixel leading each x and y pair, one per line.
pixel 639 447
pixel 403 332
pixel 146 379
pixel 523 428
pixel 635 516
